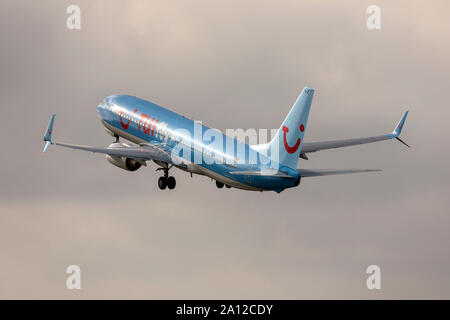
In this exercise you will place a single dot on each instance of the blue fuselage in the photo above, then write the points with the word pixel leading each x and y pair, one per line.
pixel 141 121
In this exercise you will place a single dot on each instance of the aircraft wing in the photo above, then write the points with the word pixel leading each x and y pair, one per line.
pixel 304 173
pixel 323 145
pixel 146 151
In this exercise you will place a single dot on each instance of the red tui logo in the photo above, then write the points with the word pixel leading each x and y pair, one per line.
pixel 125 125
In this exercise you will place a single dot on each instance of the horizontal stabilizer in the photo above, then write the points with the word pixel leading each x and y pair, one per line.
pixel 304 173
pixel 262 173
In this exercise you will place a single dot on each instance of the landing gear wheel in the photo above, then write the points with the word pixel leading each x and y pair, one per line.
pixel 228 186
pixel 171 183
pixel 162 183
pixel 219 184
pixel 166 181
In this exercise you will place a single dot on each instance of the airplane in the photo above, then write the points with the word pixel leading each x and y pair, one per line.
pixel 155 132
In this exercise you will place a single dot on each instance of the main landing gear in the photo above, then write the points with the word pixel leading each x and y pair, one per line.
pixel 220 185
pixel 166 181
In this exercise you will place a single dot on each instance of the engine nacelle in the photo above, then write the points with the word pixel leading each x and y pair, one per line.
pixel 122 162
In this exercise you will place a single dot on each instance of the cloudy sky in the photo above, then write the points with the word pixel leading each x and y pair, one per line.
pixel 232 64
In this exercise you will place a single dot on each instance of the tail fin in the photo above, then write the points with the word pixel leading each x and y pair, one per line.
pixel 289 138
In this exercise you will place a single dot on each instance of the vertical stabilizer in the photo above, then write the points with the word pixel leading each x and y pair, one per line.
pixel 288 141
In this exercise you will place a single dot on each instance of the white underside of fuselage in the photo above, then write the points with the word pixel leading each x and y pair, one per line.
pixel 190 167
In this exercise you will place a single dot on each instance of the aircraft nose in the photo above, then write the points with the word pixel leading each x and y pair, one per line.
pixel 104 105
pixel 103 108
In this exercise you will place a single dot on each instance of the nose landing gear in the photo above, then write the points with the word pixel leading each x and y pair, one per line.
pixel 166 181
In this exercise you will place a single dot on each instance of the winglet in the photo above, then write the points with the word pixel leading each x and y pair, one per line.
pixel 47 144
pixel 398 129
pixel 48 133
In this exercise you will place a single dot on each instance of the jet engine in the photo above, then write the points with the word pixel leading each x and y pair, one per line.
pixel 122 162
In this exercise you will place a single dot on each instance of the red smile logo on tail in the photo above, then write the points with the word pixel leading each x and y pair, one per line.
pixel 288 148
